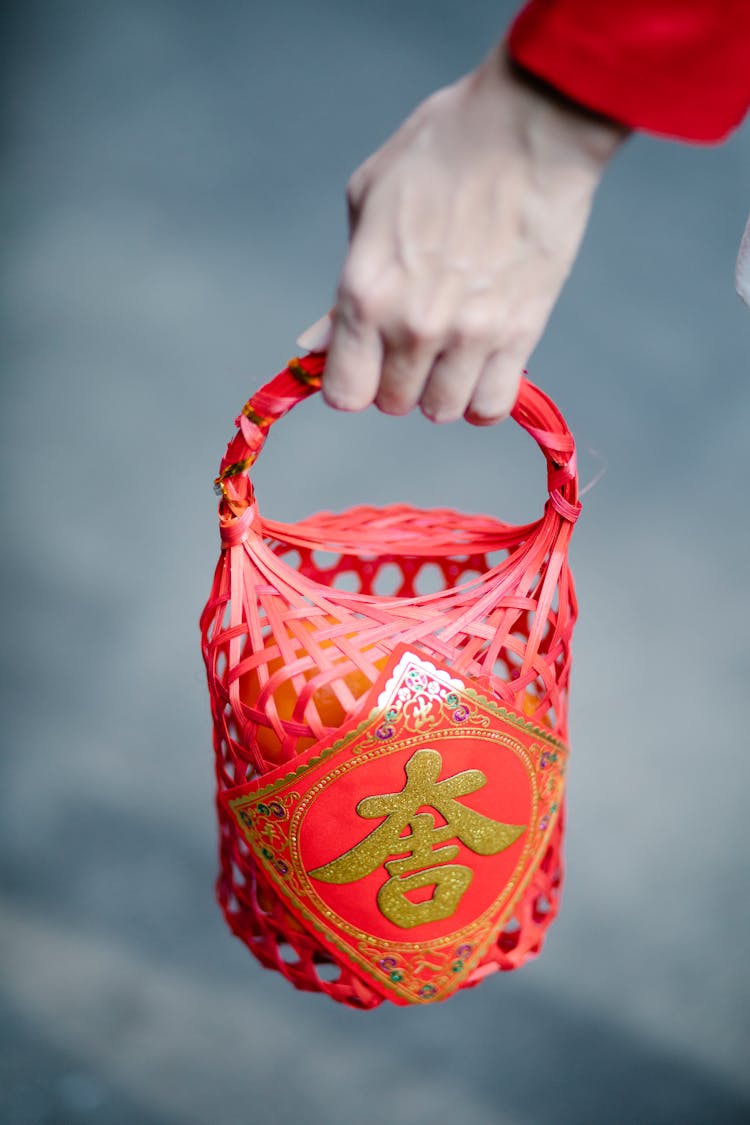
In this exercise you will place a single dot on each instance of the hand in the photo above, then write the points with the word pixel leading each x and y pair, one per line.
pixel 463 228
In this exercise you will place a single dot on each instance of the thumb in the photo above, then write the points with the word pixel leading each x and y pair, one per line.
pixel 317 337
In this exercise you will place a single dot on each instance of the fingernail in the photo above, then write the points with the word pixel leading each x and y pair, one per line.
pixel 475 419
pixel 439 417
pixel 339 402
pixel 317 337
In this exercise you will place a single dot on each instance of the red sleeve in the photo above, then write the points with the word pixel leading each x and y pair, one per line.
pixel 680 68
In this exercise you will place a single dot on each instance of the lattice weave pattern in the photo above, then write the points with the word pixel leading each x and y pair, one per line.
pixel 289 652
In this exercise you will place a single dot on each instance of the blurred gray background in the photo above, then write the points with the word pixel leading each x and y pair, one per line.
pixel 172 200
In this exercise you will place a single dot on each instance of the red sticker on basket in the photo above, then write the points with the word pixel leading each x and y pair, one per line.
pixel 405 842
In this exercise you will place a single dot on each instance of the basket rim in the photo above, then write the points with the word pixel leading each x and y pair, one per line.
pixel 524 544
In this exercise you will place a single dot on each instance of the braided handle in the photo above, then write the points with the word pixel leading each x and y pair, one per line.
pixel 534 411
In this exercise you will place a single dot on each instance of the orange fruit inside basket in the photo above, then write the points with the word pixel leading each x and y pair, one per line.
pixel 531 708
pixel 330 709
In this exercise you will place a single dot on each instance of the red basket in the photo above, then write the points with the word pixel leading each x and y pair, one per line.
pixel 390 769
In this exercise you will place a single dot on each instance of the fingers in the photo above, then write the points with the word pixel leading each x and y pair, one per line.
pixel 401 336
pixel 377 352
pixel 353 366
pixel 366 364
pixel 451 383
pixel 407 370
pixel 497 388
pixel 404 374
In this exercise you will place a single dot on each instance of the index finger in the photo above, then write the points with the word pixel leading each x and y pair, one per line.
pixel 355 359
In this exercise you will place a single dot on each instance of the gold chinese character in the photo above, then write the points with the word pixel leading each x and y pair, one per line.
pixel 424 863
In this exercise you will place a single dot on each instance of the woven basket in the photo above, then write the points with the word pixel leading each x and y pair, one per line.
pixel 294 666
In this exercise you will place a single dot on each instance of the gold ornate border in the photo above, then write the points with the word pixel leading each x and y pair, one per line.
pixel 302 887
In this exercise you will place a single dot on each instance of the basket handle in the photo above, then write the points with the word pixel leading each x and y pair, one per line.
pixel 534 411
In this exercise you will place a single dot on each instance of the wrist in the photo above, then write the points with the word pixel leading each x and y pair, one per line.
pixel 549 120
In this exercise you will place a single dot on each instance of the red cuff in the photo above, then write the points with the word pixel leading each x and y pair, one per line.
pixel 678 68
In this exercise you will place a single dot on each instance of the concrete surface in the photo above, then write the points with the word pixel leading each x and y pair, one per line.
pixel 172 197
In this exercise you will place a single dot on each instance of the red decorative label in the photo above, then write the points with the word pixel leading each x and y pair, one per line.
pixel 405 843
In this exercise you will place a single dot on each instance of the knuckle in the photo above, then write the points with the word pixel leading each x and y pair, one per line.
pixel 521 335
pixel 420 330
pixel 353 195
pixel 355 301
pixel 356 187
pixel 472 330
pixel 464 337
pixel 528 322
